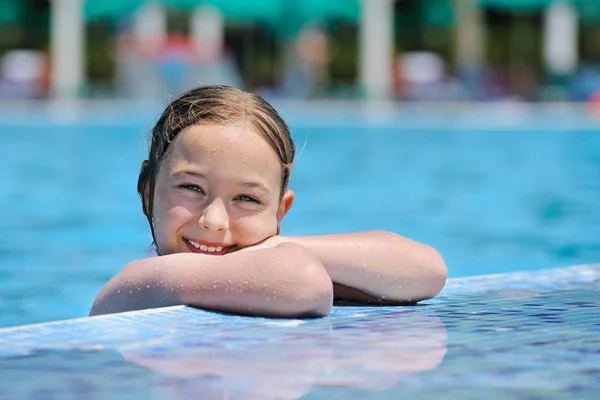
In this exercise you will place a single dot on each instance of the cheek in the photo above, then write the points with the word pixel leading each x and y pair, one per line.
pixel 174 215
pixel 257 227
pixel 167 224
pixel 170 215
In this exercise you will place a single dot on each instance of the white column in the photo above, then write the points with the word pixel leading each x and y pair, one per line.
pixel 560 38
pixel 150 25
pixel 67 41
pixel 208 32
pixel 470 34
pixel 376 48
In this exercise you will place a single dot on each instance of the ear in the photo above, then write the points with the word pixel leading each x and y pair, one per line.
pixel 285 204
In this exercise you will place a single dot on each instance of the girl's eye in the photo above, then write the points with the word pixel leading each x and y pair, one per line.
pixel 247 199
pixel 193 188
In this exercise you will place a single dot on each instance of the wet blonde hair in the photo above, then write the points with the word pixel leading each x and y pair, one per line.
pixel 221 105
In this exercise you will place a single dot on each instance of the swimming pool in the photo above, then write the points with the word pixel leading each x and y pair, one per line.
pixel 527 335
pixel 494 188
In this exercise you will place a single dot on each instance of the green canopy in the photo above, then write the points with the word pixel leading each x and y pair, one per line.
pixel 311 9
pixel 95 9
pixel 110 8
pixel 255 10
pixel 587 9
pixel 438 12
pixel 10 10
pixel 272 11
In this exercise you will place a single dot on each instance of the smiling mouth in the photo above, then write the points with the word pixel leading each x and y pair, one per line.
pixel 212 249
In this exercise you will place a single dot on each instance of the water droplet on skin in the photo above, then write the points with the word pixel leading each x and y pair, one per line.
pixel 156 269
pixel 119 291
pixel 130 292
pixel 147 286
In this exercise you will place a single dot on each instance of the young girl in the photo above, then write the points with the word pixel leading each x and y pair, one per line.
pixel 214 190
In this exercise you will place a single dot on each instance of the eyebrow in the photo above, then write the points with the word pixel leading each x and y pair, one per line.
pixel 179 174
pixel 256 186
pixel 250 185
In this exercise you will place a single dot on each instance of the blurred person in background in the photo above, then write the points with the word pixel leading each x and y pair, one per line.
pixel 307 74
pixel 23 74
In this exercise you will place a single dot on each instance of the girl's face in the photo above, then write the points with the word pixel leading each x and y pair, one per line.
pixel 218 190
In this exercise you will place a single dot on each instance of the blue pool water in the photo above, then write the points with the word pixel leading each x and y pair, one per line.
pixel 494 189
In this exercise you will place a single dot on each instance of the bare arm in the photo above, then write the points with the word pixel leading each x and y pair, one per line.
pixel 378 266
pixel 283 281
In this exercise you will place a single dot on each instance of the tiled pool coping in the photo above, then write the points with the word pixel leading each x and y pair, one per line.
pixel 525 334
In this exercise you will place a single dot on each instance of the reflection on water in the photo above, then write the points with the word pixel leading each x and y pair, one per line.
pixel 360 353
pixel 243 359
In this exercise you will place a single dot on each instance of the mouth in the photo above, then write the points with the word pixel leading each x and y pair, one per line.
pixel 210 248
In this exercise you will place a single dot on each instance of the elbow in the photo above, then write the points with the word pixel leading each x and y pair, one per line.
pixel 431 276
pixel 428 269
pixel 320 295
pixel 313 291
pixel 436 273
pixel 316 293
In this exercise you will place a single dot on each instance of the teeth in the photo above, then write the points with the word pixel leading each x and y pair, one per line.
pixel 205 248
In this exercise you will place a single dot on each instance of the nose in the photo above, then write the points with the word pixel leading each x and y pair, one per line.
pixel 215 216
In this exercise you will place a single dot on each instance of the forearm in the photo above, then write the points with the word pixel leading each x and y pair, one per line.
pixel 384 265
pixel 285 281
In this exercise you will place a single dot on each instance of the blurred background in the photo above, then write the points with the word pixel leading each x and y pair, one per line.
pixel 470 125
pixel 534 50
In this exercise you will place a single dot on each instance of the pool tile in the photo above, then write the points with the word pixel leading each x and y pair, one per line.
pixel 522 335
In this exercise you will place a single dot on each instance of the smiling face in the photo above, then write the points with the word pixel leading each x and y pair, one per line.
pixel 218 190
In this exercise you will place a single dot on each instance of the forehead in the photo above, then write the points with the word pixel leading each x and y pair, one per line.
pixel 235 148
